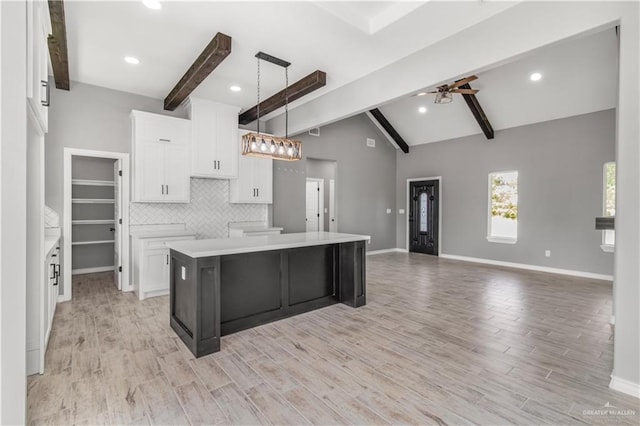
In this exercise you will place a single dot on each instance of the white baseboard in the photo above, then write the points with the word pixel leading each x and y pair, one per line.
pixel 581 274
pixel 93 270
pixel 625 386
pixel 391 250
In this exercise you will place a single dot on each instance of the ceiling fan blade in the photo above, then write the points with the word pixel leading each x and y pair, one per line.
pixel 463 81
pixel 466 91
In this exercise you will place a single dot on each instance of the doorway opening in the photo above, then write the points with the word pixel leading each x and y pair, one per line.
pixel 321 211
pixel 424 215
pixel 96 194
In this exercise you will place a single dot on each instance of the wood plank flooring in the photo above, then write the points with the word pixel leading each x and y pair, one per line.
pixel 439 342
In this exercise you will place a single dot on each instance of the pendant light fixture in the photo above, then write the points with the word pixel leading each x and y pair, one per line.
pixel 260 145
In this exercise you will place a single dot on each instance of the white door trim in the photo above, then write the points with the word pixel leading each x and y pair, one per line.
pixel 67 207
pixel 406 212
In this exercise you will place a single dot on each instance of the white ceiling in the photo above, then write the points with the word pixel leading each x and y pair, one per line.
pixel 310 35
pixel 579 76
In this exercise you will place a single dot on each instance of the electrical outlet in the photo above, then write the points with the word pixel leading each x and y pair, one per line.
pixel 388 211
pixel 401 211
pixel 371 143
pixel 547 253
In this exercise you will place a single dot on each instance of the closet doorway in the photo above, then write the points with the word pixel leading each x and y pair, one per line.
pixel 95 214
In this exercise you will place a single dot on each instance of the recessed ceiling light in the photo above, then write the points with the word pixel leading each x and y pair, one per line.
pixel 235 88
pixel 131 60
pixel 152 4
pixel 422 109
pixel 535 76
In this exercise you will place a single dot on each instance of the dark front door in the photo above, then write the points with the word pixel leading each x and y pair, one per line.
pixel 423 216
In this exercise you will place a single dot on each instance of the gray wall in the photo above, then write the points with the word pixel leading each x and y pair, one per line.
pixel 364 181
pixel 560 190
pixel 89 117
pixel 326 170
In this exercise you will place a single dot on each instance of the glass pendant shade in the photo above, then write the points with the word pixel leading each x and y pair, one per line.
pixel 261 145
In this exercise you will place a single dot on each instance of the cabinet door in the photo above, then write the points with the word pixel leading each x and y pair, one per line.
pixel 203 150
pixel 227 143
pixel 149 173
pixel 177 177
pixel 263 179
pixel 155 273
pixel 37 62
pixel 242 189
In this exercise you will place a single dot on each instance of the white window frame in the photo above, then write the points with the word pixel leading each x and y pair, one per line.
pixel 491 238
pixel 608 248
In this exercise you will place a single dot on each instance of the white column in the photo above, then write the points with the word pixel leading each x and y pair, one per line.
pixel 13 167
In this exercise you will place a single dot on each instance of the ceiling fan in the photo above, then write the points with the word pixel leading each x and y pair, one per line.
pixel 444 93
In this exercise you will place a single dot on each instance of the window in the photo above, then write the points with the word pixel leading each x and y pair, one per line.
pixel 609 204
pixel 503 207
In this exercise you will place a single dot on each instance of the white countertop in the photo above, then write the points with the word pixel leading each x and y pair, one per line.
pixel 225 246
pixel 162 234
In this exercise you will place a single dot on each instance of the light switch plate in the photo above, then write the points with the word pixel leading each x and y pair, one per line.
pixel 183 272
pixel 401 211
pixel 388 211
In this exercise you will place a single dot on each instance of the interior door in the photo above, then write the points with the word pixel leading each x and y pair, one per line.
pixel 117 227
pixel 333 220
pixel 313 206
pixel 423 216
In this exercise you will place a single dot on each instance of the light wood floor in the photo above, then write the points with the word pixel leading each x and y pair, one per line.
pixel 439 342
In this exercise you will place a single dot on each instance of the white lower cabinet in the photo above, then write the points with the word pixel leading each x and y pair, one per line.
pixel 152 264
pixel 254 184
pixel 41 307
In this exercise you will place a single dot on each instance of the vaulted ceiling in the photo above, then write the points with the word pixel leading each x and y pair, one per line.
pixel 347 40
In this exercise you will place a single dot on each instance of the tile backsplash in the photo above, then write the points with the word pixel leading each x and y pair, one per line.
pixel 51 219
pixel 208 213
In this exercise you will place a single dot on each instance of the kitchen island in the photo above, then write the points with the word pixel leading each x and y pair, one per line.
pixel 220 286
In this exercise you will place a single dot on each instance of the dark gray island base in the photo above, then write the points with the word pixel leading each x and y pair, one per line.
pixel 212 296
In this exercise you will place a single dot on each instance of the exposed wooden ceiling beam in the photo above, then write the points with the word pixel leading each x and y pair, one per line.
pixel 216 51
pixel 478 113
pixel 57 42
pixel 308 84
pixel 377 114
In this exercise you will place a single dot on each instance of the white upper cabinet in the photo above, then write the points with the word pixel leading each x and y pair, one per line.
pixel 254 184
pixel 38 91
pixel 160 147
pixel 214 139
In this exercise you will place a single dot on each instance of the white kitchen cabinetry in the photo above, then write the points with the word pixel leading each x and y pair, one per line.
pixel 42 298
pixel 254 184
pixel 160 146
pixel 38 29
pixel 152 263
pixel 214 128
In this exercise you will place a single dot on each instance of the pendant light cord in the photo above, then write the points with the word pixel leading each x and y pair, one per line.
pixel 286 103
pixel 258 96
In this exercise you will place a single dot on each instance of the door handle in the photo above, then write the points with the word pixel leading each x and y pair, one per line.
pixel 164 140
pixel 167 189
pixel 112 229
pixel 162 186
pixel 45 84
pixel 257 192
pixel 167 259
